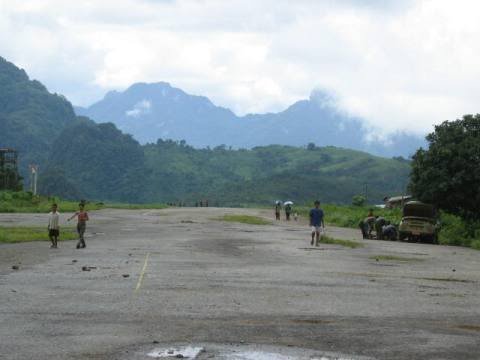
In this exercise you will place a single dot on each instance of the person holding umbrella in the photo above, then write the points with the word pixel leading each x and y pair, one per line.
pixel 278 208
pixel 288 209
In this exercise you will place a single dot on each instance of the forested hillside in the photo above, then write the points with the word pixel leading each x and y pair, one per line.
pixel 263 174
pixel 31 118
pixel 95 161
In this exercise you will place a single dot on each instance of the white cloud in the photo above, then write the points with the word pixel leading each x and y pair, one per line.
pixel 401 67
pixel 141 108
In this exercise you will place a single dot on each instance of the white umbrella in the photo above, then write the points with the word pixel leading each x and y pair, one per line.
pixel 288 203
pixel 278 202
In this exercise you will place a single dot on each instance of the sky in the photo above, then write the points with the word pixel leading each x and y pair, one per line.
pixel 400 65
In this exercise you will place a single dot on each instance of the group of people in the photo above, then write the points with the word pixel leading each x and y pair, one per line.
pixel 384 229
pixel 288 211
pixel 316 216
pixel 54 225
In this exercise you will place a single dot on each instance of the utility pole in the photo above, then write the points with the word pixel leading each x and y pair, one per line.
pixel 366 193
pixel 33 178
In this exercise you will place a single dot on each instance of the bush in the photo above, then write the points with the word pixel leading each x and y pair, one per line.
pixel 358 200
pixel 454 231
pixel 5 196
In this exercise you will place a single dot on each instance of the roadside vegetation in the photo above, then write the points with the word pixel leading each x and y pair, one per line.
pixel 453 231
pixel 245 219
pixel 350 216
pixel 25 202
pixel 447 175
pixel 30 233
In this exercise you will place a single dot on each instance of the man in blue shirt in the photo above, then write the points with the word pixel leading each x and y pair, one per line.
pixel 316 221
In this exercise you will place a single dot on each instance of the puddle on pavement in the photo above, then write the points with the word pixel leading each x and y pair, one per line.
pixel 236 352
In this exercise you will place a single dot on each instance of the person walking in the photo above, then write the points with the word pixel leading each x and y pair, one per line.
pixel 288 211
pixel 54 226
pixel 316 222
pixel 278 208
pixel 82 218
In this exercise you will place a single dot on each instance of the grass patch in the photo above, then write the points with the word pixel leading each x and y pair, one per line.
pixel 29 233
pixel 245 219
pixel 393 258
pixel 347 243
pixel 25 202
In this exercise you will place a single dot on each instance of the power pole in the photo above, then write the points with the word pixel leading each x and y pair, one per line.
pixel 366 193
pixel 33 178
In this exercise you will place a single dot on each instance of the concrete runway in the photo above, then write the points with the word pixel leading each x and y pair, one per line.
pixel 165 278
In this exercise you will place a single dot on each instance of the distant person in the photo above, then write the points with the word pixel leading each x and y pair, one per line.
pixel 201 203
pixel 389 231
pixel 380 222
pixel 288 211
pixel 364 228
pixel 54 226
pixel 82 218
pixel 278 208
pixel 370 223
pixel 206 203
pixel 316 222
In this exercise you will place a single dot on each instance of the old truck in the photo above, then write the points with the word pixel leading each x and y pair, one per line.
pixel 419 222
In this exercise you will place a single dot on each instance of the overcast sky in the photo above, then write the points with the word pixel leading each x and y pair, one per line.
pixel 398 64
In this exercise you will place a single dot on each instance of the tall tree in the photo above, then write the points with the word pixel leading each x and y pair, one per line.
pixel 448 173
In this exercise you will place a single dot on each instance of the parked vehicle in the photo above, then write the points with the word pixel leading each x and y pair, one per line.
pixel 419 222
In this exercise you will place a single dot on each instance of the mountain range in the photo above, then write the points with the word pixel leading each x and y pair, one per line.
pixel 83 159
pixel 160 111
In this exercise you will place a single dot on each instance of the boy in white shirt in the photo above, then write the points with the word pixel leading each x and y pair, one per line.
pixel 54 226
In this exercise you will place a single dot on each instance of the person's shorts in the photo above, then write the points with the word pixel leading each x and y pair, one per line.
pixel 317 229
pixel 81 227
pixel 54 232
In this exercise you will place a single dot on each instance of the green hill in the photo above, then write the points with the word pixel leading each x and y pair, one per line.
pixel 95 161
pixel 30 117
pixel 263 174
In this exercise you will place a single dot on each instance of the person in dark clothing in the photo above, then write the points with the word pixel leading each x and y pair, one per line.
pixel 380 222
pixel 364 228
pixel 316 222
pixel 288 211
pixel 278 208
pixel 389 231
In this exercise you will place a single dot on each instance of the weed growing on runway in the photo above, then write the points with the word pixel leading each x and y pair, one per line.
pixel 394 258
pixel 347 243
pixel 245 219
pixel 24 234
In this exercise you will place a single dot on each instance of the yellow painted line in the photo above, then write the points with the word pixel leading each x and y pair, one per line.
pixel 140 279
